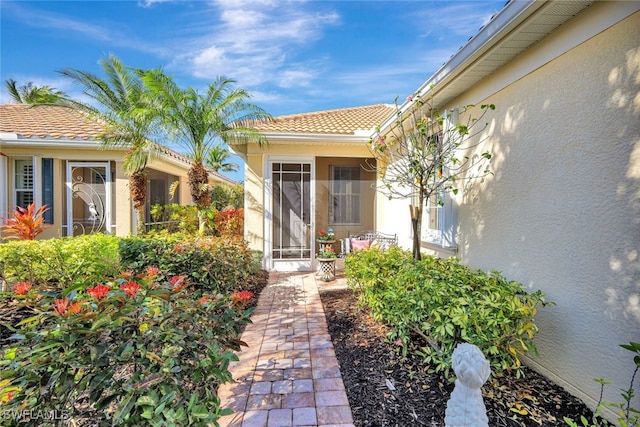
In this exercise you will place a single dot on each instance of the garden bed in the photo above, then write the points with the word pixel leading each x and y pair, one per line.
pixel 386 390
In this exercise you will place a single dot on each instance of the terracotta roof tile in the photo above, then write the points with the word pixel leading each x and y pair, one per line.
pixel 49 122
pixel 344 121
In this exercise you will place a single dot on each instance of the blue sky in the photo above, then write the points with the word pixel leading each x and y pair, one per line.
pixel 292 56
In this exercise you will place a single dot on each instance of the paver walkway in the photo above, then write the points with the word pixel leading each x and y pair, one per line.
pixel 289 374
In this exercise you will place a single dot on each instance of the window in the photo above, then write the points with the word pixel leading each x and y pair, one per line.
pixel 30 181
pixel 345 195
pixel 438 221
pixel 24 195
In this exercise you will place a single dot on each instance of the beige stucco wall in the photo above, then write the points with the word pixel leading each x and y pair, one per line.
pixel 561 213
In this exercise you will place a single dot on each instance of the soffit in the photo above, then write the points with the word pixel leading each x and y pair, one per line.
pixel 487 59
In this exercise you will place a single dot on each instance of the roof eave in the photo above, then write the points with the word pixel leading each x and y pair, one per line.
pixel 13 140
pixel 491 35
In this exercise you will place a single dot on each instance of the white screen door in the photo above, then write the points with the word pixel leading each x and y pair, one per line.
pixel 88 198
pixel 291 219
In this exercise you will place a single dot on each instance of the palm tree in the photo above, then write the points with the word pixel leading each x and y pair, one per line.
pixel 125 109
pixel 199 120
pixel 216 159
pixel 32 94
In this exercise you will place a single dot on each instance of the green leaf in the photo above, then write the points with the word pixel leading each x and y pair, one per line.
pixel 146 400
pixel 200 411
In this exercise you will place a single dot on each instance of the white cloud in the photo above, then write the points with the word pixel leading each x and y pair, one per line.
pixel 150 3
pixel 252 41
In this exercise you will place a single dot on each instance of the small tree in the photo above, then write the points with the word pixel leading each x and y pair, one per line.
pixel 424 152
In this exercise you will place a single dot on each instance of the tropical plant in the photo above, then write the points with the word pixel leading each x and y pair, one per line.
pixel 216 159
pixel 425 152
pixel 26 223
pixel 198 120
pixel 32 94
pixel 129 351
pixel 230 222
pixel 434 304
pixel 225 195
pixel 129 122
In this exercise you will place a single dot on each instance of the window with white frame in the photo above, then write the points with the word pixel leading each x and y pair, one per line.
pixel 345 195
pixel 439 221
pixel 33 183
pixel 23 179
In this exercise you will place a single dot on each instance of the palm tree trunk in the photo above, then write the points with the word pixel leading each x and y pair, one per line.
pixel 138 192
pixel 198 180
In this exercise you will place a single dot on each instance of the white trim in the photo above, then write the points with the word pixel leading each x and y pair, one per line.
pixel 4 188
pixel 270 263
pixel 37 180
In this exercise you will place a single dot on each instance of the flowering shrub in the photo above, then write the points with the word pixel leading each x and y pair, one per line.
pixel 211 264
pixel 230 222
pixel 99 291
pixel 134 351
pixel 241 298
pixel 22 288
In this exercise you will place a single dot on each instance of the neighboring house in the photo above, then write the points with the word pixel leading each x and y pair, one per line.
pixel 560 213
pixel 51 155
pixel 312 176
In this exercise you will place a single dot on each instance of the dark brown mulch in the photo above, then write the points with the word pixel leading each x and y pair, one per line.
pixel 386 390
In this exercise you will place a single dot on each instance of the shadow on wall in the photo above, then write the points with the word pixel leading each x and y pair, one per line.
pixel 624 262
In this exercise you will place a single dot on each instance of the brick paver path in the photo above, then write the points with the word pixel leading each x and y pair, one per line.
pixel 289 374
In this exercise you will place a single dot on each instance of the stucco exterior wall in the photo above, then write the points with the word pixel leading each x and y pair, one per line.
pixel 254 201
pixel 561 213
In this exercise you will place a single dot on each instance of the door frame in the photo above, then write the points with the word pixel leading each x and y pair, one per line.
pixel 287 265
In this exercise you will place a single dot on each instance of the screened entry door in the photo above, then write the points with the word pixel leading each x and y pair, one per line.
pixel 88 198
pixel 291 223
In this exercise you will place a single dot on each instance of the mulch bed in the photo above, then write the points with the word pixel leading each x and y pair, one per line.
pixel 385 389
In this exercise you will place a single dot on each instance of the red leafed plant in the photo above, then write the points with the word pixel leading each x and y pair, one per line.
pixel 26 223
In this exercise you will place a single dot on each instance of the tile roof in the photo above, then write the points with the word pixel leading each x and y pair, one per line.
pixel 60 123
pixel 47 122
pixel 344 121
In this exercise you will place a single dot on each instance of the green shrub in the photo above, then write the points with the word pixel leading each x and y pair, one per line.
pixel 135 351
pixel 60 262
pixel 212 264
pixel 174 218
pixel 223 195
pixel 435 303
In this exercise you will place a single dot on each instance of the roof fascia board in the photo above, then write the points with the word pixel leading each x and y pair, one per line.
pixel 514 13
pixel 48 143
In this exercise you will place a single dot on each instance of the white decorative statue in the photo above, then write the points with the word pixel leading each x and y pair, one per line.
pixel 465 407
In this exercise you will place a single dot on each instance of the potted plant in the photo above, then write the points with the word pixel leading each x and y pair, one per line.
pixel 327 259
pixel 327 253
